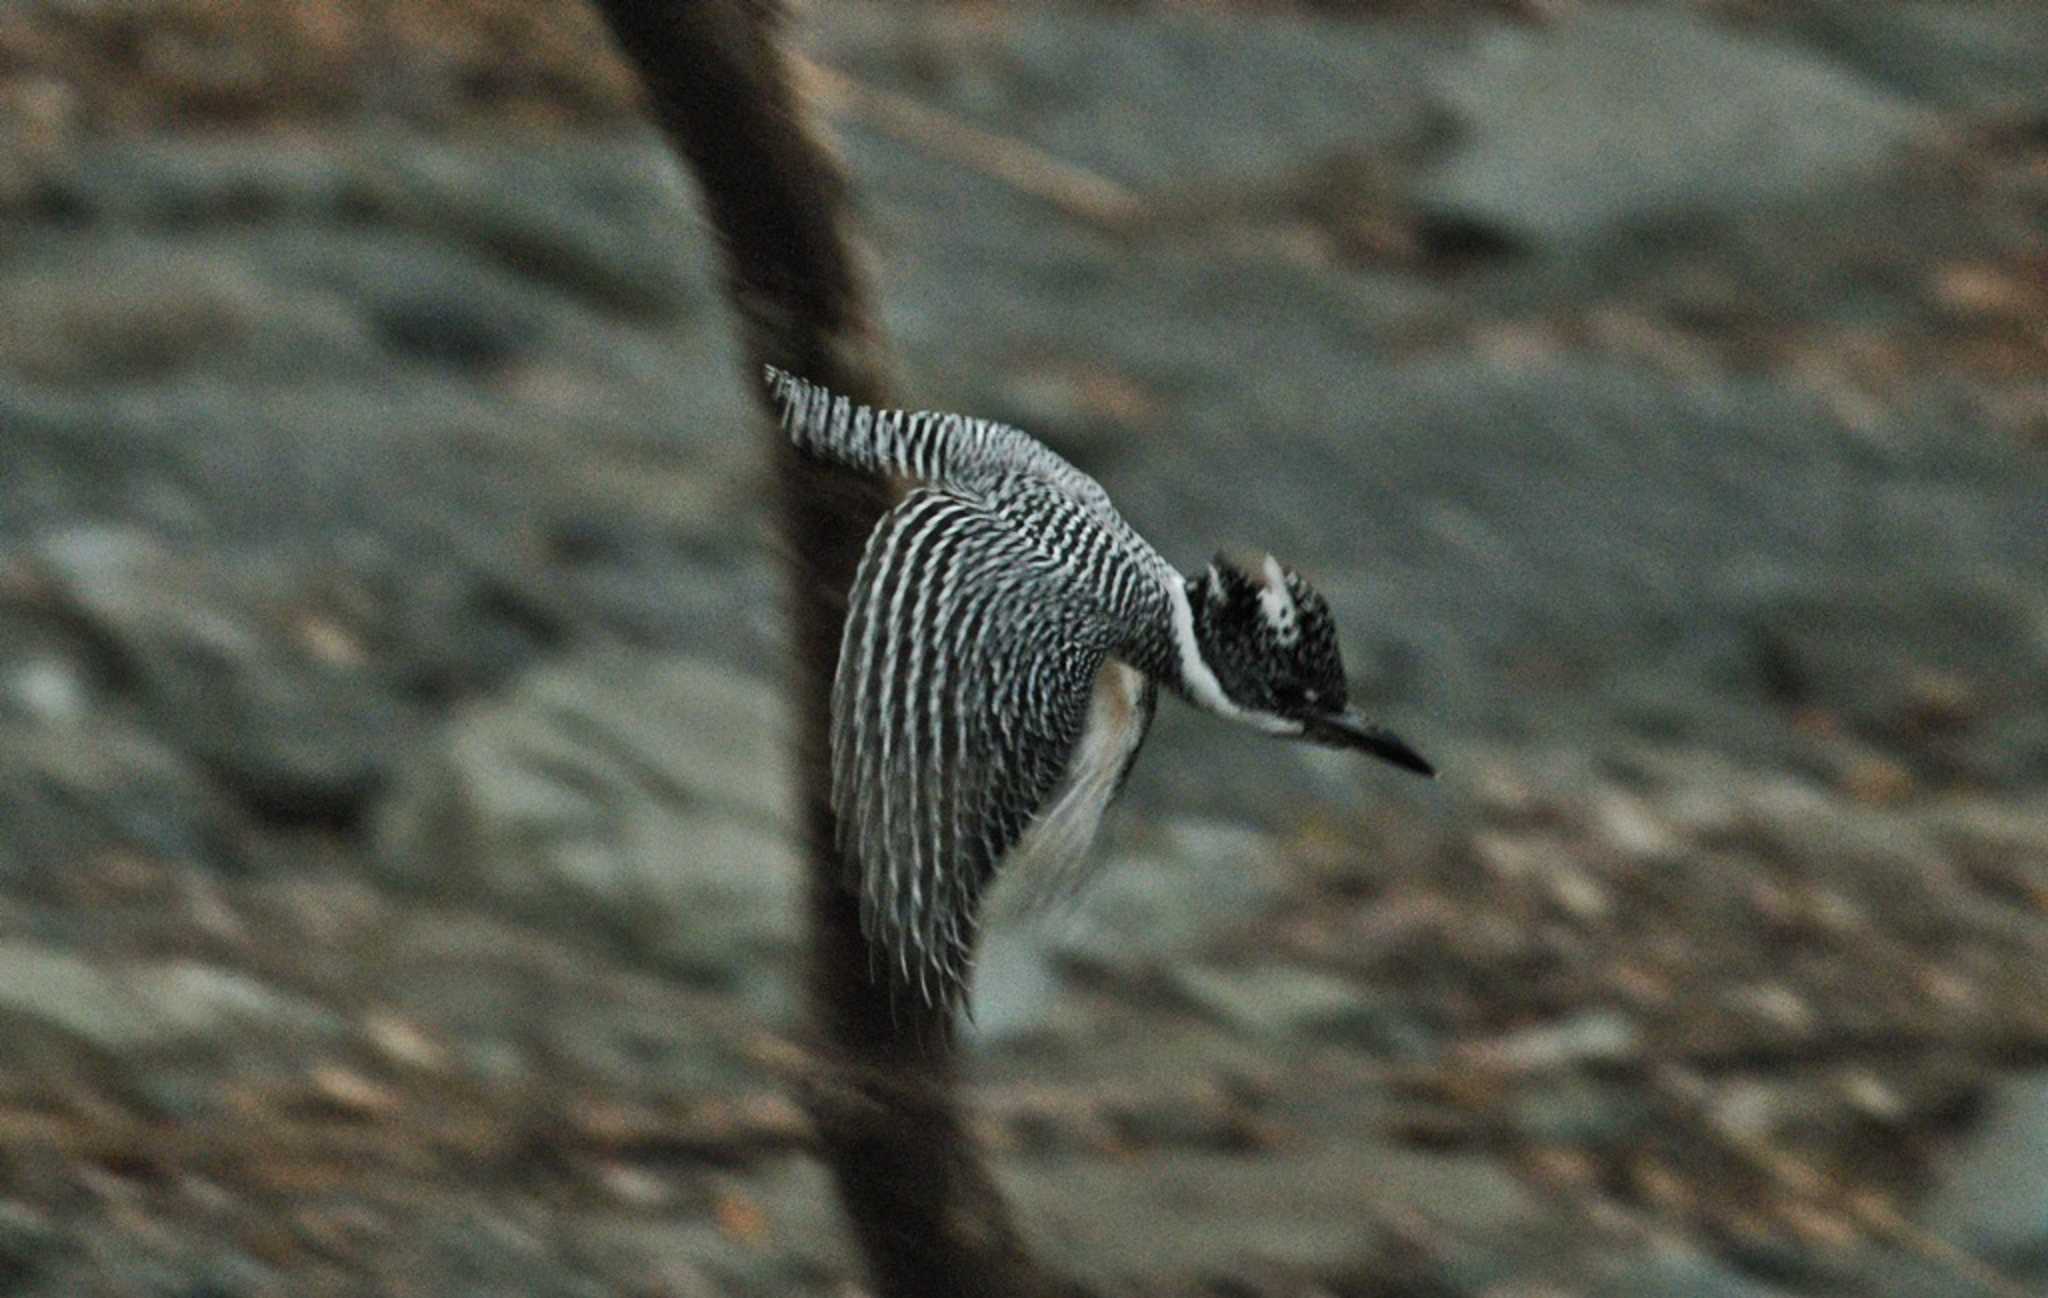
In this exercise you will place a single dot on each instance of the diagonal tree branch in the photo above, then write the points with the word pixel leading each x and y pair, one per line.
pixel 882 1091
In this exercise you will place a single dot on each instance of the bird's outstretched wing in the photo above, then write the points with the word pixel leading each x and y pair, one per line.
pixel 953 452
pixel 964 682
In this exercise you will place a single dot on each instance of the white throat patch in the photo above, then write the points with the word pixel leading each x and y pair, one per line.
pixel 1202 685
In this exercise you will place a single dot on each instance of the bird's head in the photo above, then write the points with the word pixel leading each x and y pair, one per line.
pixel 1271 645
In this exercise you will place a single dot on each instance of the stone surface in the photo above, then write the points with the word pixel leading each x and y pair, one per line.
pixel 231 672
pixel 192 998
pixel 792 1240
pixel 1272 1000
pixel 1675 1271
pixel 136 1007
pixel 1993 1199
pixel 29 1245
pixel 74 793
pixel 74 994
pixel 625 795
pixel 1210 1216
pixel 1979 55
pixel 1090 87
pixel 1016 987
pixel 1191 883
pixel 1621 117
pixel 1575 1110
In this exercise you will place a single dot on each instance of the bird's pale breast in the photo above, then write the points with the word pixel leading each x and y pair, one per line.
pixel 1048 861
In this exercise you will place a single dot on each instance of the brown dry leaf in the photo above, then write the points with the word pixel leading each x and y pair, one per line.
pixel 326 640
pixel 768 1115
pixel 636 1186
pixel 351 1092
pixel 740 1219
pixel 1877 782
pixel 1112 396
pixel 1663 1188
pixel 403 1041
pixel 1940 700
pixel 1820 1228
pixel 606 1123
pixel 1511 344
pixel 1974 288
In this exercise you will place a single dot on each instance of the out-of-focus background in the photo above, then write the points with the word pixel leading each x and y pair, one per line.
pixel 395 881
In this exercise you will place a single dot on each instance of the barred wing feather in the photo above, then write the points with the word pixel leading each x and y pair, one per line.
pixel 963 686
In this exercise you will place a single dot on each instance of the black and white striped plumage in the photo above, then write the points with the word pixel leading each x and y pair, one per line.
pixel 1004 642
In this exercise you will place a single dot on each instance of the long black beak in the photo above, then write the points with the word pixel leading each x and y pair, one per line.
pixel 1347 729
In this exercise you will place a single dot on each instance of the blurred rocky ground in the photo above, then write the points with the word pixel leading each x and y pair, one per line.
pixel 395 884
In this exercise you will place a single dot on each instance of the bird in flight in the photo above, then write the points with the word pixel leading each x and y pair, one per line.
pixel 1005 641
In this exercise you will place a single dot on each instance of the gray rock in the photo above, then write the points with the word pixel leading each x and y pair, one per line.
pixel 1621 117
pixel 551 212
pixel 74 994
pixel 1593 1036
pixel 1859 651
pixel 1271 1000
pixel 1193 1213
pixel 1569 1109
pixel 169 180
pixel 445 375
pixel 1094 88
pixel 213 657
pixel 143 1006
pixel 1974 55
pixel 1898 1273
pixel 194 999
pixel 637 1044
pixel 1114 1047
pixel 803 1246
pixel 1862 851
pixel 1188 884
pixel 69 792
pixel 1016 988
pixel 150 314
pixel 2000 848
pixel 554 214
pixel 482 1249
pixel 2008 750
pixel 103 1258
pixel 1993 1199
pixel 44 689
pixel 1674 1270
pixel 630 796
pixel 29 1244
pixel 463 980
